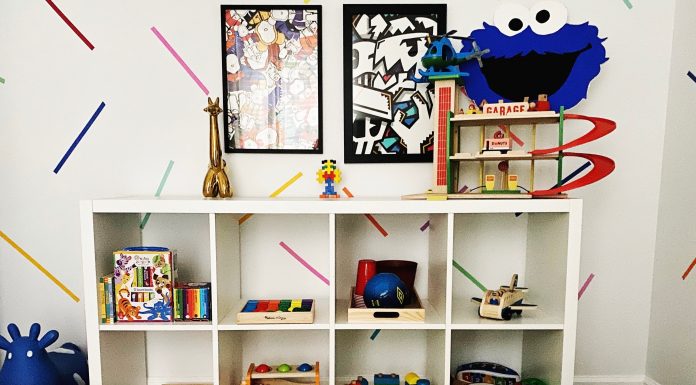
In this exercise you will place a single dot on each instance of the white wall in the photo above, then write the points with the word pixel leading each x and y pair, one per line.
pixel 154 114
pixel 671 348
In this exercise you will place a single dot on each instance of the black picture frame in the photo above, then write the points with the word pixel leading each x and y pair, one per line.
pixel 351 127
pixel 233 119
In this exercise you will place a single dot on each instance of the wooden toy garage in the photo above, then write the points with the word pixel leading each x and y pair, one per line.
pixel 498 119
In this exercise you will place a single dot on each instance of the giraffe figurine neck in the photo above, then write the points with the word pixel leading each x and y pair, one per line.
pixel 215 151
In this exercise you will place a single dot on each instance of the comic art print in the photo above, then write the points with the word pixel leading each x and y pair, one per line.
pixel 272 78
pixel 388 116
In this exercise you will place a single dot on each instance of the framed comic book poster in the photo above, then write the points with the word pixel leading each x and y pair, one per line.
pixel 272 78
pixel 387 116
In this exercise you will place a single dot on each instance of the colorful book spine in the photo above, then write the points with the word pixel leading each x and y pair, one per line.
pixel 108 300
pixel 102 301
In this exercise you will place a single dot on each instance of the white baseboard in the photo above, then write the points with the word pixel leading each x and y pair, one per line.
pixel 600 380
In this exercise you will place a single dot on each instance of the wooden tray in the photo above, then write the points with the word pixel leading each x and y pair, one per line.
pixel 277 317
pixel 413 313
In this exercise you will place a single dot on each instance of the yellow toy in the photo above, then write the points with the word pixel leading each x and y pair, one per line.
pixel 329 175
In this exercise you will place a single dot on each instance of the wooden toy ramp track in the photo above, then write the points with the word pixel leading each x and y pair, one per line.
pixel 603 166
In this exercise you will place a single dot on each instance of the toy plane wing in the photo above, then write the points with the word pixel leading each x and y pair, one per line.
pixel 523 306
pixel 523 289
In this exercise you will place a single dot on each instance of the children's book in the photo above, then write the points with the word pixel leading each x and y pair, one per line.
pixel 143 282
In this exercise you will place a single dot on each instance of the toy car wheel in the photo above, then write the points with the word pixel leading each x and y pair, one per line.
pixel 506 314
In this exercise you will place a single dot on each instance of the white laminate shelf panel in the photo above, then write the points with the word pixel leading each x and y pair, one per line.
pixel 323 206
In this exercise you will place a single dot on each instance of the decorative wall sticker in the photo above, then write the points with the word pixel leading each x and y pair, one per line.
pixel 70 24
pixel 178 58
pixel 79 137
pixel 40 267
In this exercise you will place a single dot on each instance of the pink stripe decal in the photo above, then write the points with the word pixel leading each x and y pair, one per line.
pixel 179 59
pixel 585 285
pixel 304 263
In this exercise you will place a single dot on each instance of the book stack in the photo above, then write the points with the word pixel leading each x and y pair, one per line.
pixel 192 302
pixel 106 299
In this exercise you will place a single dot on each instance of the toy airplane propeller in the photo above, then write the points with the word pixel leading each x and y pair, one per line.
pixel 503 303
pixel 441 59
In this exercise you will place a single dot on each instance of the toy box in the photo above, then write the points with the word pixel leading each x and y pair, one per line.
pixel 413 312
pixel 143 282
pixel 280 311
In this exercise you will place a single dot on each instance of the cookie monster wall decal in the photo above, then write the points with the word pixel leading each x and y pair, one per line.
pixel 532 52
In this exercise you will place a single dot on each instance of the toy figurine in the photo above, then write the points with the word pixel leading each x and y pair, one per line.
pixel 329 175
pixel 216 181
pixel 28 363
pixel 501 304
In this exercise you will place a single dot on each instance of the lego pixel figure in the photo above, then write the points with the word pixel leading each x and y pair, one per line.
pixel 329 175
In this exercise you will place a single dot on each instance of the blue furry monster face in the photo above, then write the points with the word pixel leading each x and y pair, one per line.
pixel 534 52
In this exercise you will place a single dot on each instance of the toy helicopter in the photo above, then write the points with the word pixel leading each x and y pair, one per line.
pixel 441 58
pixel 503 303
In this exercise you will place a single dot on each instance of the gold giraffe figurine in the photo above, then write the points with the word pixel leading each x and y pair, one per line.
pixel 216 181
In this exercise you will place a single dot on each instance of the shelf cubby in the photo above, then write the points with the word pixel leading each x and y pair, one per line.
pixel 147 357
pixel 239 348
pixel 392 351
pixel 407 239
pixel 252 264
pixel 493 247
pixel 532 353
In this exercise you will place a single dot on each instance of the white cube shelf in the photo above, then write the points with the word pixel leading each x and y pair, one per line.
pixel 243 259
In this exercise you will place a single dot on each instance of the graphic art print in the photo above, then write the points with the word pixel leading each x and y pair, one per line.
pixel 272 78
pixel 388 116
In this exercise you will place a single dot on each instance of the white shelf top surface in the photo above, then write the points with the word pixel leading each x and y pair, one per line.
pixel 465 317
pixel 381 205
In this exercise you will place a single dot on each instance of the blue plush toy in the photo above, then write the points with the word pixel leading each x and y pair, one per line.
pixel 28 363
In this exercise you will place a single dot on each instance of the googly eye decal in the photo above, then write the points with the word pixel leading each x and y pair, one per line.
pixel 511 18
pixel 548 17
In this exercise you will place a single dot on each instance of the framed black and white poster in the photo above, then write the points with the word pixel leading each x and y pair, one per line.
pixel 387 116
pixel 272 78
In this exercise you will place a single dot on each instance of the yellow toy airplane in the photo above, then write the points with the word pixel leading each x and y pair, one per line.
pixel 502 304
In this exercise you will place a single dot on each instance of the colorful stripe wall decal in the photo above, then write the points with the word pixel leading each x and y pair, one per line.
pixel 468 275
pixel 180 60
pixel 2 80
pixel 425 226
pixel 159 191
pixel 304 263
pixel 40 267
pixel 691 76
pixel 375 334
pixel 70 24
pixel 274 194
pixel 628 4
pixel 79 137
pixel 688 271
pixel 585 285
pixel 369 217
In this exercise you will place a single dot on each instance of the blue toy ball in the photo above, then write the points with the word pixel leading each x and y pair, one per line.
pixel 28 363
pixel 386 290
